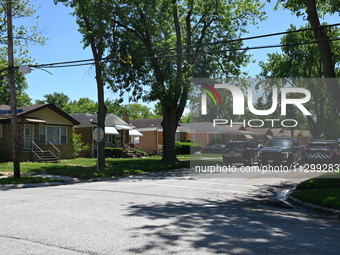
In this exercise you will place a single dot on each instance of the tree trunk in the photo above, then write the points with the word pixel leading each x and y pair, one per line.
pixel 97 47
pixel 13 100
pixel 325 50
pixel 101 115
pixel 169 124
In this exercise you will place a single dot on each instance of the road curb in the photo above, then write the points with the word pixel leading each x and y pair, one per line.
pixel 31 185
pixel 314 207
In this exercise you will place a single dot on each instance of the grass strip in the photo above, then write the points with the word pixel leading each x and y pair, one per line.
pixel 326 181
pixel 26 180
pixel 85 168
pixel 329 198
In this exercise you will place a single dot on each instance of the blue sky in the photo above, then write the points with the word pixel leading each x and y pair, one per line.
pixel 64 44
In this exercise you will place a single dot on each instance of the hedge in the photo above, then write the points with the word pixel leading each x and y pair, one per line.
pixel 187 148
pixel 113 152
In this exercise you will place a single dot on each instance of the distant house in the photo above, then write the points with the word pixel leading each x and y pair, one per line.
pixel 42 127
pixel 201 132
pixel 261 134
pixel 152 130
pixel 117 131
pixel 205 133
pixel 304 136
pixel 243 133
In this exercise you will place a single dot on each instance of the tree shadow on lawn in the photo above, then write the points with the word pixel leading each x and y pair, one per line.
pixel 255 224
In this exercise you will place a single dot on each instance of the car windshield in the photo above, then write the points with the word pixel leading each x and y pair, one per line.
pixel 280 143
pixel 321 146
pixel 233 146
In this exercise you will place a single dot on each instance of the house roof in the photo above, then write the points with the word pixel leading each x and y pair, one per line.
pixel 276 131
pixel 84 118
pixel 208 127
pixel 259 131
pixel 23 111
pixel 111 119
pixel 237 127
pixel 147 123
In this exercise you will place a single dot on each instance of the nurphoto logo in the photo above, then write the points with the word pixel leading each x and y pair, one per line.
pixel 280 97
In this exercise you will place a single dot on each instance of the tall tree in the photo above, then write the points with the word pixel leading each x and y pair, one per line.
pixel 314 10
pixel 186 27
pixel 94 22
pixel 58 99
pixel 82 105
pixel 305 61
pixel 22 36
pixel 135 111
pixel 153 27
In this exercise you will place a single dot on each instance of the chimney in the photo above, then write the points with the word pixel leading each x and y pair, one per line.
pixel 126 118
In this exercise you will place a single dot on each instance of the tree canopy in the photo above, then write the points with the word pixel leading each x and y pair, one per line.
pixel 23 36
pixel 304 61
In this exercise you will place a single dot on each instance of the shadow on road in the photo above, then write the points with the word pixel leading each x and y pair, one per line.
pixel 255 224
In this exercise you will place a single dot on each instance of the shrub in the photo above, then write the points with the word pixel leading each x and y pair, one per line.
pixel 113 152
pixel 78 144
pixel 142 153
pixel 187 148
pixel 178 147
pixel 189 140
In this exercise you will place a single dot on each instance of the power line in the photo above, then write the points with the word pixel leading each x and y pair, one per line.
pixel 241 39
pixel 240 49
pixel 192 54
pixel 84 62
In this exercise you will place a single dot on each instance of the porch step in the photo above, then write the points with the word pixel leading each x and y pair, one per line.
pixel 46 156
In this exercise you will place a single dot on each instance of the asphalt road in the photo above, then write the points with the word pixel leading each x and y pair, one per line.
pixel 167 213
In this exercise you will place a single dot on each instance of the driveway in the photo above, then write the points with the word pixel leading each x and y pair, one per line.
pixel 165 213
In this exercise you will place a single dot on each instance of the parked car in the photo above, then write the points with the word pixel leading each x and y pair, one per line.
pixel 244 152
pixel 321 152
pixel 214 149
pixel 281 151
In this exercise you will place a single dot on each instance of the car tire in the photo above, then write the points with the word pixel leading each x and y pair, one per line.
pixel 250 162
pixel 227 164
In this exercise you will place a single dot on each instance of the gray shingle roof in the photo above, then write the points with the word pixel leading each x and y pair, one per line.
pixel 84 118
pixel 208 127
pixel 147 123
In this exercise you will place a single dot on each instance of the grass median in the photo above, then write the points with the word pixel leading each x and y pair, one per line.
pixel 323 191
pixel 27 180
pixel 85 168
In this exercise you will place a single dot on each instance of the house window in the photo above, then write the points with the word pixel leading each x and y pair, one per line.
pixel 177 136
pixel 109 138
pixel 134 139
pixel 53 134
pixel 216 137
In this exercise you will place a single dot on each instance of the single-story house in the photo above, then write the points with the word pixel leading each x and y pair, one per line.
pixel 42 127
pixel 261 134
pixel 244 134
pixel 204 133
pixel 118 132
pixel 201 132
pixel 152 130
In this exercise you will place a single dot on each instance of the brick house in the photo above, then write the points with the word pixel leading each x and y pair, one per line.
pixel 117 131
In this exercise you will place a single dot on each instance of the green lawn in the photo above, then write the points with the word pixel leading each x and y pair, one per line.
pixel 329 198
pixel 323 191
pixel 85 168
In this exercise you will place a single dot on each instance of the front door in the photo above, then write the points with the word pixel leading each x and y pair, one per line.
pixel 28 136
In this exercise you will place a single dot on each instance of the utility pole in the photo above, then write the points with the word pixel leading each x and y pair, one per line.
pixel 13 99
